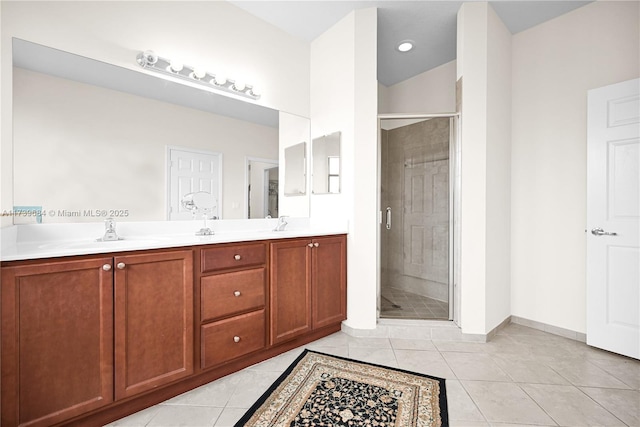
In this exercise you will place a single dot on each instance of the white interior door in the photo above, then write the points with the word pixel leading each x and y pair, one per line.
pixel 190 171
pixel 613 218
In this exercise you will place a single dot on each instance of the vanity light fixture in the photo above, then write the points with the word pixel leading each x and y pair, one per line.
pixel 149 60
pixel 405 46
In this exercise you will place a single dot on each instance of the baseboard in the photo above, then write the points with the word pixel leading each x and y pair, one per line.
pixel 555 330
pixel 445 330
pixel 492 333
pixel 437 330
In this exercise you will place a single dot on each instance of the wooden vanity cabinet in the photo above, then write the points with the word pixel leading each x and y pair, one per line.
pixel 308 286
pixel 86 340
pixel 233 292
pixel 153 320
pixel 57 340
pixel 72 326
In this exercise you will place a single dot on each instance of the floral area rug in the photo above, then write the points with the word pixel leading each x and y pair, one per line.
pixel 323 390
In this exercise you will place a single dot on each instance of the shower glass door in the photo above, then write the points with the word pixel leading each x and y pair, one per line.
pixel 415 197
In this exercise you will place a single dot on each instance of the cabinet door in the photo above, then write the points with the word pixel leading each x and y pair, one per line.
pixel 57 340
pixel 329 281
pixel 153 320
pixel 290 304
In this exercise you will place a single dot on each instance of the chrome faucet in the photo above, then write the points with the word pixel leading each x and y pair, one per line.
pixel 110 234
pixel 282 223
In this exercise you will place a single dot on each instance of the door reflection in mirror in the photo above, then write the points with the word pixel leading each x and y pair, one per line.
pixel 262 188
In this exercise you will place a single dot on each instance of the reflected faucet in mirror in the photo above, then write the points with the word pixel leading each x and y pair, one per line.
pixel 282 223
pixel 110 234
pixel 201 203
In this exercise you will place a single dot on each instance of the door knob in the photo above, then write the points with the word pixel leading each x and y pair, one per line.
pixel 316 244
pixel 237 293
pixel 236 339
pixel 106 267
pixel 237 257
pixel 121 265
pixel 600 232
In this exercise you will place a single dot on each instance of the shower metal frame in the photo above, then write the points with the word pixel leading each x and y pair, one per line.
pixel 454 204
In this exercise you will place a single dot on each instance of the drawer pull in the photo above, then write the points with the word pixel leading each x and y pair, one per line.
pixel 316 244
pixel 237 257
pixel 106 267
pixel 310 245
pixel 121 265
pixel 236 339
pixel 236 293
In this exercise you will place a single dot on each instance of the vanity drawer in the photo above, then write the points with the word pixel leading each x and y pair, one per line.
pixel 231 338
pixel 230 256
pixel 229 293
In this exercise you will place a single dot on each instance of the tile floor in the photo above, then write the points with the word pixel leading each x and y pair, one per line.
pixel 400 304
pixel 523 377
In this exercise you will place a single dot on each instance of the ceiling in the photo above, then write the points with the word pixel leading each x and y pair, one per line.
pixel 430 24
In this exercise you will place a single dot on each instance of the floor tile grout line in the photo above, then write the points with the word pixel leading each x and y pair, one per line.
pixel 600 405
pixel 474 402
pixel 539 405
pixel 613 375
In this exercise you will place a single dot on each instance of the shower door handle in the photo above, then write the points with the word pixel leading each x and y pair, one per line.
pixel 388 218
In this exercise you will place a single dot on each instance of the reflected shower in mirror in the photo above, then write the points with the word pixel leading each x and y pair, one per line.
pixel 326 164
pixel 295 178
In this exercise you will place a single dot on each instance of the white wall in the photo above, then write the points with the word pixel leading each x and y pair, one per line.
pixel 344 98
pixel 433 91
pixel 498 267
pixel 83 147
pixel 554 65
pixel 484 66
pixel 216 35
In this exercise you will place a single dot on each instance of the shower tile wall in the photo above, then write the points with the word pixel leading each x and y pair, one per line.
pixel 415 185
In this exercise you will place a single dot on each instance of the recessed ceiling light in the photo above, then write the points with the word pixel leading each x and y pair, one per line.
pixel 405 46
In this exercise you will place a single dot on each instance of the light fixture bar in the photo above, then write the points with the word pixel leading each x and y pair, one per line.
pixel 149 60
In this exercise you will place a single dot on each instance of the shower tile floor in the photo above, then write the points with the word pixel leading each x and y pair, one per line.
pixel 399 304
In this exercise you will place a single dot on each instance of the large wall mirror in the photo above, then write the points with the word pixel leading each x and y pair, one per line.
pixel 326 164
pixel 90 139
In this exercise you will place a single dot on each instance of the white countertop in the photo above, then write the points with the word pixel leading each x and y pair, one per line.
pixel 36 241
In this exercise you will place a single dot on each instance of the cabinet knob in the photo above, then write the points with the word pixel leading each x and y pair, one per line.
pixel 316 244
pixel 236 339
pixel 106 267
pixel 121 265
pixel 237 257
pixel 310 245
pixel 236 293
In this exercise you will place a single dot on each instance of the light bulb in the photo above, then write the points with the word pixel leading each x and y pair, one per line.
pixel 238 86
pixel 175 66
pixel 198 73
pixel 218 80
pixel 253 91
pixel 148 57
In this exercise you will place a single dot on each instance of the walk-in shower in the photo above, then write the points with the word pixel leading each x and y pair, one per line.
pixel 415 201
